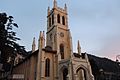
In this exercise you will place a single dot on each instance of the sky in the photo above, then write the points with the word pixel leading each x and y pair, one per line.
pixel 95 23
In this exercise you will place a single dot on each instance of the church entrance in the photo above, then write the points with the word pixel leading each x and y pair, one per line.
pixel 81 74
pixel 65 74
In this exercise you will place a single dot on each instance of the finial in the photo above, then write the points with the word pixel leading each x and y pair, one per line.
pixel 48 9
pixel 40 34
pixel 55 4
pixel 43 34
pixel 39 40
pixel 34 40
pixel 33 45
pixel 65 7
pixel 43 39
pixel 79 48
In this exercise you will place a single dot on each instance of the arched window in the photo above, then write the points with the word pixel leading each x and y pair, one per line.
pixel 49 22
pixel 58 18
pixel 52 19
pixel 47 67
pixel 63 20
pixel 62 51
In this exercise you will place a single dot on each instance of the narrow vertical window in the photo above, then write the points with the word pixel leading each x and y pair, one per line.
pixel 63 20
pixel 58 18
pixel 47 67
pixel 51 36
pixel 52 19
pixel 62 51
pixel 49 22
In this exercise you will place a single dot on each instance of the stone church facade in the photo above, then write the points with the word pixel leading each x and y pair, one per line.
pixel 54 59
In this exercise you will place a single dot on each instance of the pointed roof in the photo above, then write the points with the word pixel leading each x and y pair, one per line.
pixel 40 35
pixel 33 45
pixel 55 3
pixel 79 48
pixel 33 41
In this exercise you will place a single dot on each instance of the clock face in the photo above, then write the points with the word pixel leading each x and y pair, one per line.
pixel 62 34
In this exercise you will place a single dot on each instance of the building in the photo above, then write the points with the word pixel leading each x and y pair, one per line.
pixel 54 60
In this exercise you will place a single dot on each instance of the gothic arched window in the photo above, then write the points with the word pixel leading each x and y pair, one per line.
pixel 53 19
pixel 63 20
pixel 62 51
pixel 49 22
pixel 58 18
pixel 47 67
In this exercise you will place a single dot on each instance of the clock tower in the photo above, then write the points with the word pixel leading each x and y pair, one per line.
pixel 58 33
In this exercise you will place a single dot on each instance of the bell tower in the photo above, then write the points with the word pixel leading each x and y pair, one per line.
pixel 58 33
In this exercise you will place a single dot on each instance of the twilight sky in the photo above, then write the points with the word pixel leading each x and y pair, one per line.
pixel 96 23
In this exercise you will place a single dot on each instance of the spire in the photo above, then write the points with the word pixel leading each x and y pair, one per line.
pixel 48 10
pixel 40 35
pixel 79 48
pixel 55 4
pixel 39 57
pixel 43 39
pixel 39 40
pixel 71 46
pixel 33 45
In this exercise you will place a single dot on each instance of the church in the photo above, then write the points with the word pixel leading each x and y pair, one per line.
pixel 54 59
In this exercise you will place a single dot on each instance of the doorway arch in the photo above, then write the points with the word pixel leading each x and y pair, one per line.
pixel 81 74
pixel 64 73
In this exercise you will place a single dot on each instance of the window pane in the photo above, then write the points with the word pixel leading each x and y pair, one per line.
pixel 49 22
pixel 58 18
pixel 47 67
pixel 52 19
pixel 62 51
pixel 63 20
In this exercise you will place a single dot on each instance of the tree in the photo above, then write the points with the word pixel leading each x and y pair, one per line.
pixel 8 45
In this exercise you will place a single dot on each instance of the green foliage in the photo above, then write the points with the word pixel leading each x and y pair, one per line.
pixel 8 44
